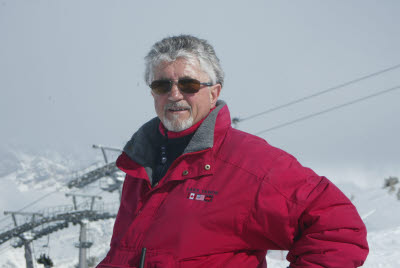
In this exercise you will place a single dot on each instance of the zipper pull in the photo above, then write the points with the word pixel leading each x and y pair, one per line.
pixel 142 258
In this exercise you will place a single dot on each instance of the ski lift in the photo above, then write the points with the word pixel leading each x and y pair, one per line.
pixel 45 260
pixel 111 183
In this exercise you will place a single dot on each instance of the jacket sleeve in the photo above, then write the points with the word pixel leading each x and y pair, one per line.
pixel 308 215
pixel 330 231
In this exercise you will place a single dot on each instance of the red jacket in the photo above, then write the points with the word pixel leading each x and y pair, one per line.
pixel 227 200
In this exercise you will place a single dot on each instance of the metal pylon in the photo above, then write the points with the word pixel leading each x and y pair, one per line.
pixel 83 245
pixel 27 242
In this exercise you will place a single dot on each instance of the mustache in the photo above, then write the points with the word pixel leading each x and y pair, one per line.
pixel 176 105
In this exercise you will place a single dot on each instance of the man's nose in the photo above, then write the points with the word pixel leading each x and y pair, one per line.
pixel 175 94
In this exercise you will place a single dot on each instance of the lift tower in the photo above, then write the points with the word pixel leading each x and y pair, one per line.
pixel 24 237
pixel 83 243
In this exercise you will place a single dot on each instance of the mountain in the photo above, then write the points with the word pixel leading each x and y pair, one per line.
pixel 29 170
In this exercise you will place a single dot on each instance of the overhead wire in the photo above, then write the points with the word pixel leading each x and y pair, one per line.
pixel 329 110
pixel 33 202
pixel 319 93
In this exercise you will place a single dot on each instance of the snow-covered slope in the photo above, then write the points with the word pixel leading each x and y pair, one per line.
pixel 380 212
pixel 27 177
pixel 29 170
pixel 40 181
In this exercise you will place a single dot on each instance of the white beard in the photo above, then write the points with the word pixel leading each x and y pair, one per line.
pixel 177 125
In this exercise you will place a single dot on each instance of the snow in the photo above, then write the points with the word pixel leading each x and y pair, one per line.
pixel 30 177
pixel 384 248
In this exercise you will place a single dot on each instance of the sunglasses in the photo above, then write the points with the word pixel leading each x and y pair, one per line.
pixel 185 85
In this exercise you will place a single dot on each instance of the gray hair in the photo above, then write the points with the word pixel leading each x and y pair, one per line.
pixel 188 47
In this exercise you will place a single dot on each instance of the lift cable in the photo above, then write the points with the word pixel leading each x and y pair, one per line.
pixel 34 202
pixel 238 120
pixel 328 110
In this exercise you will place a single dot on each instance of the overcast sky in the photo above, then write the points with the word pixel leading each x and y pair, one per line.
pixel 71 74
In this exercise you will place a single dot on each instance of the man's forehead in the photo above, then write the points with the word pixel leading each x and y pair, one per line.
pixel 179 62
pixel 180 68
pixel 161 77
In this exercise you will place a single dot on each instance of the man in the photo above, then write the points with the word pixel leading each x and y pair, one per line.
pixel 199 193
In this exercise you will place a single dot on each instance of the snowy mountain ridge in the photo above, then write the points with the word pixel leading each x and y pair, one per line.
pixel 48 170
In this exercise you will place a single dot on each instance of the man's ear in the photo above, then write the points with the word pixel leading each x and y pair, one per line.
pixel 215 90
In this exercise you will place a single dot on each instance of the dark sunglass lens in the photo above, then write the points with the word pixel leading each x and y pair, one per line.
pixel 189 85
pixel 161 86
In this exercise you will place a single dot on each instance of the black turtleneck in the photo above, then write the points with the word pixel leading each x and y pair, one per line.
pixel 166 154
